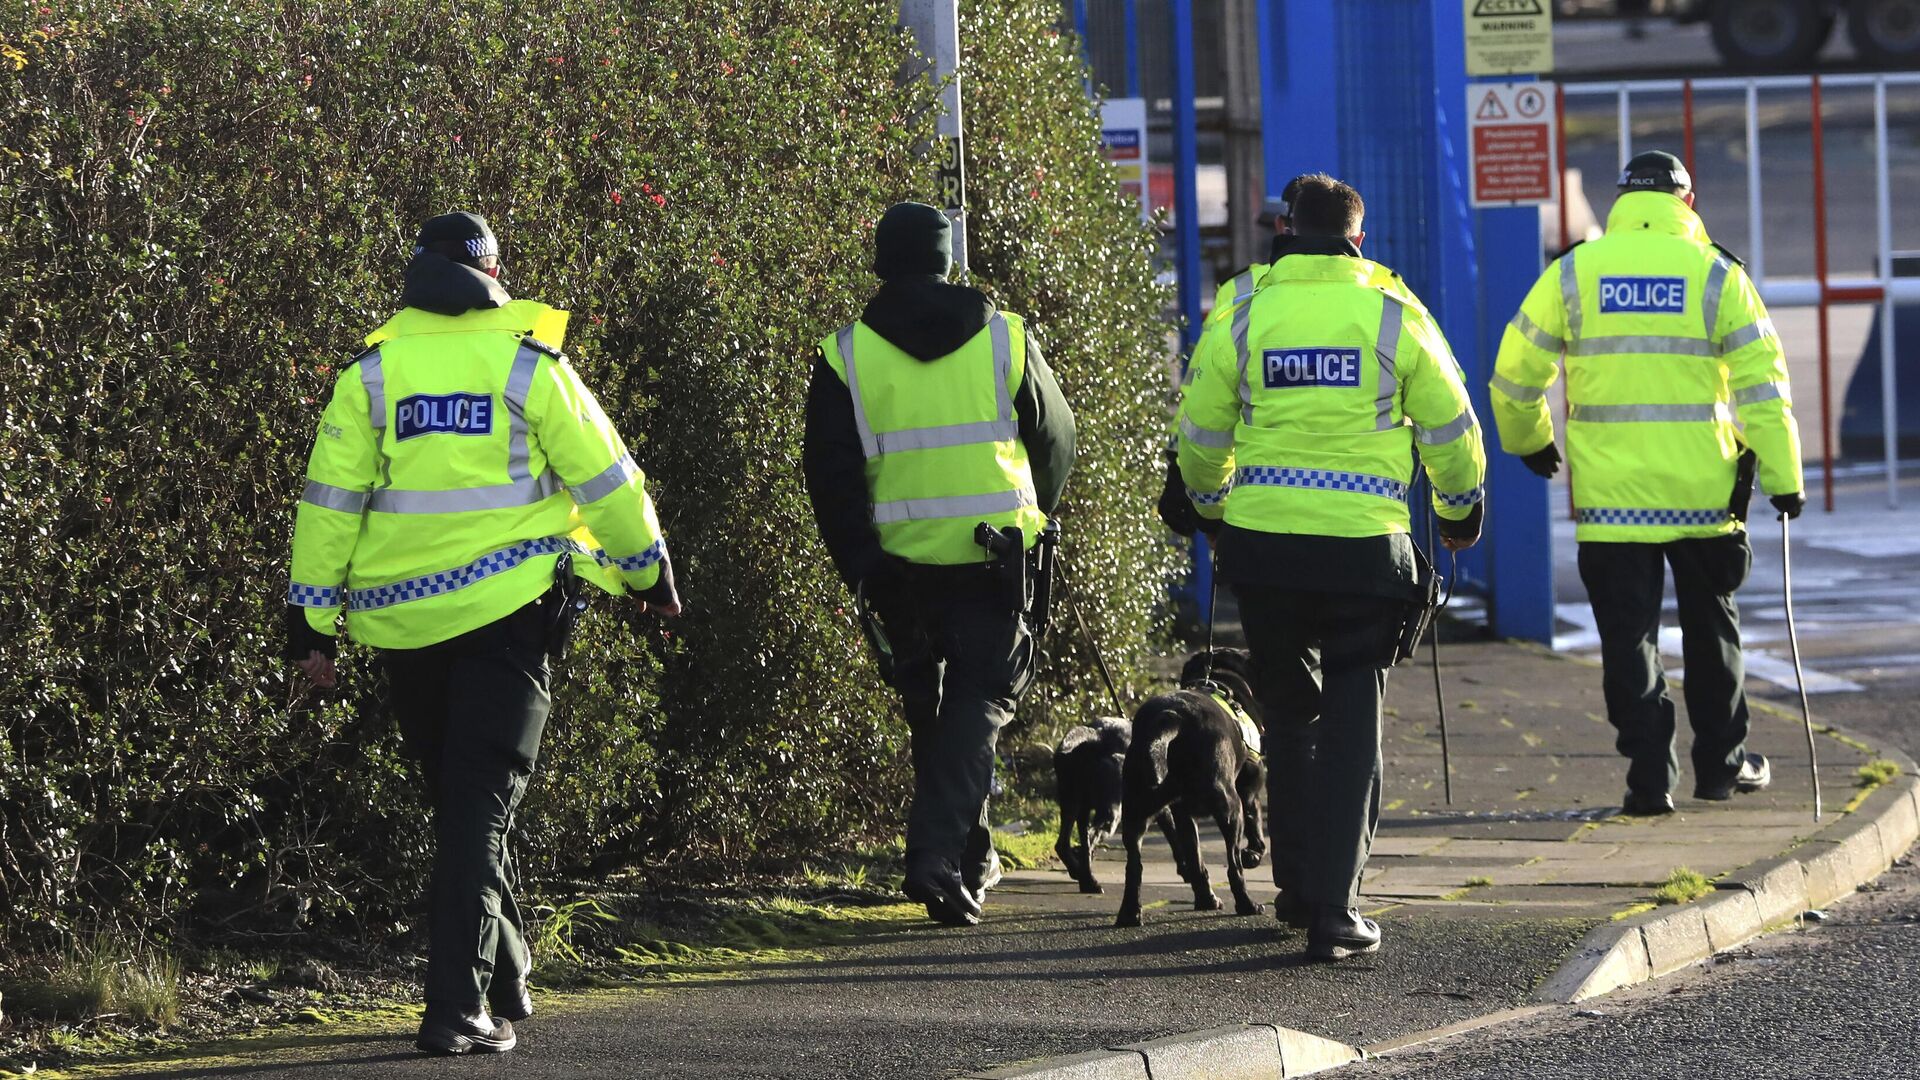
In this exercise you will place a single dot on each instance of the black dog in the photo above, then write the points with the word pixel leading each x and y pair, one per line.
pixel 1189 756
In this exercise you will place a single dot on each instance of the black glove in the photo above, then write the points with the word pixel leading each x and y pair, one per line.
pixel 1544 462
pixel 888 593
pixel 1467 528
pixel 1176 509
pixel 663 592
pixel 1789 504
pixel 303 640
pixel 1210 526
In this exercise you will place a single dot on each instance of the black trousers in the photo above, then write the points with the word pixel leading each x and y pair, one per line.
pixel 962 660
pixel 1626 583
pixel 471 712
pixel 1320 665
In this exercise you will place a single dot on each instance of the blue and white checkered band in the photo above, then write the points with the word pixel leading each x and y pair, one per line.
pixel 446 581
pixel 1321 480
pixel 1607 515
pixel 1464 499
pixel 1204 498
pixel 633 564
pixel 480 247
pixel 300 595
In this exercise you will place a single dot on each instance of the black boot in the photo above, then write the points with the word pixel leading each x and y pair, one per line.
pixel 508 998
pixel 1646 804
pixel 979 878
pixel 447 1030
pixel 1337 933
pixel 933 880
pixel 1754 774
pixel 1292 911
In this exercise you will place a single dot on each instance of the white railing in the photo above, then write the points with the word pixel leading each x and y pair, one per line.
pixel 1824 291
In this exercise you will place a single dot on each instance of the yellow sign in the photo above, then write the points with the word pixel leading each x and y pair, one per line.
pixel 1509 37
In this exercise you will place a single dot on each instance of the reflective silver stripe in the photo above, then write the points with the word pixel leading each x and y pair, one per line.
pixel 1005 429
pixel 1766 391
pixel 345 500
pixel 939 438
pixel 1386 346
pixel 375 381
pixel 1747 335
pixel 1448 431
pixel 1570 295
pixel 519 383
pixel 1242 317
pixel 1710 301
pixel 610 480
pixel 867 442
pixel 1648 414
pixel 1639 345
pixel 1515 391
pixel 459 500
pixel 1535 336
pixel 952 506
pixel 1199 436
pixel 1243 285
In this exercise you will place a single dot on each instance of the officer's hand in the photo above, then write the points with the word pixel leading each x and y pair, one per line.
pixel 668 609
pixel 318 668
pixel 1545 462
pixel 1789 504
pixel 1176 510
pixel 1210 526
pixel 1463 534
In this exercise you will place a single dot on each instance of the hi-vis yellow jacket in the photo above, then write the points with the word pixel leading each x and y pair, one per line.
pixel 1242 285
pixel 459 459
pixel 1301 411
pixel 1666 342
pixel 941 439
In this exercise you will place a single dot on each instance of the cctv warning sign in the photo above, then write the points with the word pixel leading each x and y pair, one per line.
pixel 1511 143
pixel 1509 37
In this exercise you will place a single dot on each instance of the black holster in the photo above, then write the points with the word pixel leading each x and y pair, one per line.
pixel 1007 564
pixel 1419 610
pixel 1742 496
pixel 1046 553
pixel 564 603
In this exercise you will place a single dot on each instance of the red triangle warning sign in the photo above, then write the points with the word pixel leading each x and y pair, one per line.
pixel 1491 109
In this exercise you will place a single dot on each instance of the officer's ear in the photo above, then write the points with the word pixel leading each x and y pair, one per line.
pixel 1358 238
pixel 1688 199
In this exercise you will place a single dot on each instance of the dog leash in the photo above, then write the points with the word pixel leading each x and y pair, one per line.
pixel 1799 677
pixel 1439 696
pixel 1213 601
pixel 1073 603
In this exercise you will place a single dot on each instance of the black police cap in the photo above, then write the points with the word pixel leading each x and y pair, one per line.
pixel 1655 170
pixel 463 230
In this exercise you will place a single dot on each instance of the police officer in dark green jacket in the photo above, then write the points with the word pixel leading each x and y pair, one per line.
pixel 930 415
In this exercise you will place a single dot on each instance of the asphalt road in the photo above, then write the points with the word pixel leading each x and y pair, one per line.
pixel 1835 1000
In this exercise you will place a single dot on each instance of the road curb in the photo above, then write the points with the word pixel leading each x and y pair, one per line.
pixel 1236 1052
pixel 1765 895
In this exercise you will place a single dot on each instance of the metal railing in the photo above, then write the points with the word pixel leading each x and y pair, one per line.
pixel 1824 291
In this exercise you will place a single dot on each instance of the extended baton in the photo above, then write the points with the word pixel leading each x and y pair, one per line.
pixel 1793 643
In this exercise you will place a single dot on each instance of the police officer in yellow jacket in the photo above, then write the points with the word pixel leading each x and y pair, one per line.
pixel 1674 373
pixel 461 477
pixel 1297 427
pixel 933 414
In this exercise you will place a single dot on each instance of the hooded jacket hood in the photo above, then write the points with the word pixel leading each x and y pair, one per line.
pixel 438 284
pixel 927 317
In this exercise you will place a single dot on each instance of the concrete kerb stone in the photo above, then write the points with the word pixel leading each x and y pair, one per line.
pixel 1098 1065
pixel 1675 938
pixel 1609 957
pixel 1778 886
pixel 1240 1052
pixel 1732 916
pixel 1302 1054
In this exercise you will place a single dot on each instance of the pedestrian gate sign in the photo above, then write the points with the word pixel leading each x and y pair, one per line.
pixel 1511 143
pixel 1123 135
pixel 1509 37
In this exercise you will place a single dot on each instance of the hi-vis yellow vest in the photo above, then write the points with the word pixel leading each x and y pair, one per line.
pixel 1301 411
pixel 942 442
pixel 1672 365
pixel 459 459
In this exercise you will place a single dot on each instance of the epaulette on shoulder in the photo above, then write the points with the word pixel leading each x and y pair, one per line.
pixel 1735 259
pixel 1563 251
pixel 361 355
pixel 537 345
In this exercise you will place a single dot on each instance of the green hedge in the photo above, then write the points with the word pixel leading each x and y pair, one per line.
pixel 203 207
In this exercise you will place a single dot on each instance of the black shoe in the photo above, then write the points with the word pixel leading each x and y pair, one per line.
pixel 1646 804
pixel 508 999
pixel 932 880
pixel 1337 933
pixel 447 1031
pixel 1754 774
pixel 1292 911
pixel 978 879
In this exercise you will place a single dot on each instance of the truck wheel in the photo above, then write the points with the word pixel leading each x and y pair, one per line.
pixel 1769 34
pixel 1886 33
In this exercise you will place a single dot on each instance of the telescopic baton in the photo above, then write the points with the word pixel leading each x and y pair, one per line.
pixel 1793 642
